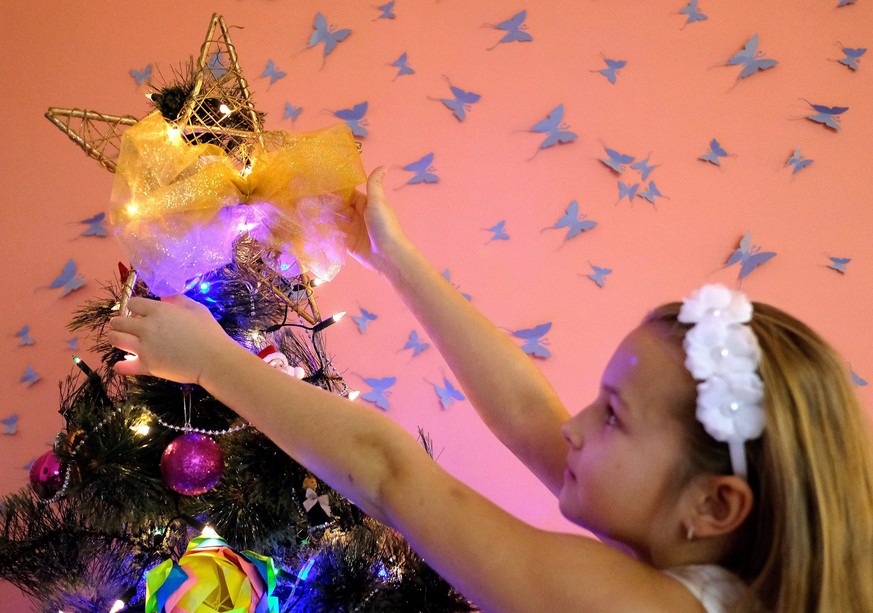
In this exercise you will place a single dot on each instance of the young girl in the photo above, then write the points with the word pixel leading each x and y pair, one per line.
pixel 724 461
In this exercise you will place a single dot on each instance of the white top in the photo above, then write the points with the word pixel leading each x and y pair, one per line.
pixel 717 589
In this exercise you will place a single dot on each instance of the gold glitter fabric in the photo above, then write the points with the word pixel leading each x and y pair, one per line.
pixel 179 207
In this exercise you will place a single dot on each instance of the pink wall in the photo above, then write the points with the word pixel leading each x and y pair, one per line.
pixel 673 96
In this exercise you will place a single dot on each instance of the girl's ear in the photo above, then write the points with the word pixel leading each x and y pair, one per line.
pixel 723 504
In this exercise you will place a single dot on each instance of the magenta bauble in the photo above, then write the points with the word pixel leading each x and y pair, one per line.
pixel 46 475
pixel 192 464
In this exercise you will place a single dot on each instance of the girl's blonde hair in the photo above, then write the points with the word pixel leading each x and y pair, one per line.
pixel 808 543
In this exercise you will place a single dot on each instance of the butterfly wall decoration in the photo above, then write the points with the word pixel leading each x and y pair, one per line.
pixel 422 170
pixel 554 128
pixel 534 340
pixel 749 256
pixel 447 393
pixel 515 28
pixel 379 390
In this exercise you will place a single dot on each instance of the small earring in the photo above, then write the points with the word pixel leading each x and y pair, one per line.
pixel 689 532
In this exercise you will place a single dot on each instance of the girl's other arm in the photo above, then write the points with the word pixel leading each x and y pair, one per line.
pixel 507 390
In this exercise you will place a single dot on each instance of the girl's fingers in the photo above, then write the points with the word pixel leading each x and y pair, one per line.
pixel 141 306
pixel 130 366
pixel 129 325
pixel 375 190
pixel 124 341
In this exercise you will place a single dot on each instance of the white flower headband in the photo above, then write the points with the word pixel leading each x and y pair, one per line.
pixel 723 354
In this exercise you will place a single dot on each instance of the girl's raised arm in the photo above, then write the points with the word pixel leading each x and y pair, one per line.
pixel 508 391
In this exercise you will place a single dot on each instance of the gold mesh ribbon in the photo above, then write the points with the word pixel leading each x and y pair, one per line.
pixel 178 208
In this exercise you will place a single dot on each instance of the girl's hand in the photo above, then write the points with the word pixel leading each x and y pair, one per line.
pixel 373 233
pixel 174 338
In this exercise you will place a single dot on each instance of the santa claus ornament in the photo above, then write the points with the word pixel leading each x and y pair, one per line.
pixel 279 361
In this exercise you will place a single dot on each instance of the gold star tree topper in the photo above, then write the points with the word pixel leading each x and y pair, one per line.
pixel 216 107
pixel 213 106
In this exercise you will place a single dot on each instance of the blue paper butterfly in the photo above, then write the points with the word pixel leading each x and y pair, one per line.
pixel 216 65
pixel 354 118
pixel 73 344
pixel 857 380
pixel 448 277
pixel 460 104
pixel 644 168
pixel 827 115
pixel 554 130
pixel 715 153
pixel 272 72
pixel 323 33
pixel 852 56
pixel 142 76
pixel 751 59
pixel 515 29
pixel 798 161
pixel 387 11
pixel 363 319
pixel 599 275
pixel 839 264
pixel 10 424
pixel 693 13
pixel 499 232
pixel 749 256
pixel 627 191
pixel 616 161
pixel 846 3
pixel 533 340
pixel 422 169
pixel 650 192
pixel 448 395
pixel 24 336
pixel 95 225
pixel 573 221
pixel 612 68
pixel 415 344
pixel 291 112
pixel 402 65
pixel 30 376
pixel 69 280
pixel 378 393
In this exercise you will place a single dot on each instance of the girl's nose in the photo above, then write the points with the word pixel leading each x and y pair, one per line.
pixel 573 432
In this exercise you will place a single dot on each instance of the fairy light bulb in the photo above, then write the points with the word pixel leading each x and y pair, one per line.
pixel 328 322
pixel 141 426
pixel 117 606
pixel 208 531
pixel 353 395
pixel 132 209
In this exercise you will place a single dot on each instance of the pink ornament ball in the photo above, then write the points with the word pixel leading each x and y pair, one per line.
pixel 46 475
pixel 192 464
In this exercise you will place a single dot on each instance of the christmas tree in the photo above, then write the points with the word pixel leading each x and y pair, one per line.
pixel 155 496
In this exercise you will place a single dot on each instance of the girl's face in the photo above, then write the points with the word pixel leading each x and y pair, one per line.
pixel 626 448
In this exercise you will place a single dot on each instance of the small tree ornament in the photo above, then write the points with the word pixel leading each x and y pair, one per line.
pixel 279 361
pixel 46 475
pixel 317 507
pixel 192 463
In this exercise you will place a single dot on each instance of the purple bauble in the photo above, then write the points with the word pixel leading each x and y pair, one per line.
pixel 46 475
pixel 192 464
